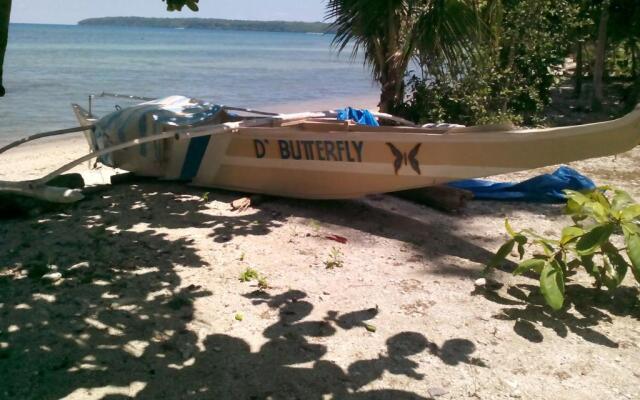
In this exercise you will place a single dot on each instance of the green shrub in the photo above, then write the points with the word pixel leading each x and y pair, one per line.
pixel 604 240
pixel 472 100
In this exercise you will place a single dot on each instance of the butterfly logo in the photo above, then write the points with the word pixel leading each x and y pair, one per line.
pixel 406 159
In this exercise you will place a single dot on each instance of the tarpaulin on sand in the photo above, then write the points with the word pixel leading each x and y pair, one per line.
pixel 361 117
pixel 547 188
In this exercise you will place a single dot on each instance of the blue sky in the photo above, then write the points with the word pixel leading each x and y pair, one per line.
pixel 71 11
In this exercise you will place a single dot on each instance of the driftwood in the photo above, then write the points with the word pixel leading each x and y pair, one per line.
pixel 443 198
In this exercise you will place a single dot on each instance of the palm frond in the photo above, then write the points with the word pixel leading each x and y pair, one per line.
pixel 447 34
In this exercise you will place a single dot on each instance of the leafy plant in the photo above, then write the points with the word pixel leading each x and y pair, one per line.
pixel 263 284
pixel 604 240
pixel 251 274
pixel 335 259
pixel 517 62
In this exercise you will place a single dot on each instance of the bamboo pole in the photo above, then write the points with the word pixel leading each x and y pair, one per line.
pixel 44 135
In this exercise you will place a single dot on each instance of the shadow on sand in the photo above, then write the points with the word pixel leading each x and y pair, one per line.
pixel 584 310
pixel 120 316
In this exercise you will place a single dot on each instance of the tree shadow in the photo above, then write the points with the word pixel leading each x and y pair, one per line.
pixel 119 312
pixel 584 309
pixel 289 365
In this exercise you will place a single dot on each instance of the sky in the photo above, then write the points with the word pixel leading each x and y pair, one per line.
pixel 72 11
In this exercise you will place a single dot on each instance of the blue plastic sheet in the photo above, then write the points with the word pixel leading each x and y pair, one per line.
pixel 361 117
pixel 547 188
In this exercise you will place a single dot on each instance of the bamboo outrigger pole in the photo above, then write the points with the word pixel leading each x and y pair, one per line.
pixel 44 135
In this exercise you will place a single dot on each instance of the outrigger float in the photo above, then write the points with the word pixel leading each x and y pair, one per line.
pixel 314 155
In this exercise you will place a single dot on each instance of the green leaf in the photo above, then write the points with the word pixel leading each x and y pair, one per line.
pixel 619 265
pixel 535 264
pixel 598 196
pixel 576 197
pixel 630 228
pixel 609 277
pixel 509 229
pixel 192 5
pixel 521 240
pixel 590 267
pixel 592 240
pixel 502 254
pixel 574 207
pixel 571 233
pixel 521 251
pixel 548 248
pixel 630 213
pixel 597 211
pixel 621 199
pixel 534 235
pixel 552 284
pixel 633 251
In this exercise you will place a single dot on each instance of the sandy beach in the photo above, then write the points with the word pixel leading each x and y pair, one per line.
pixel 151 305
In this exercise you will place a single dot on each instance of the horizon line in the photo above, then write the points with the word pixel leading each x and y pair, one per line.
pixel 137 16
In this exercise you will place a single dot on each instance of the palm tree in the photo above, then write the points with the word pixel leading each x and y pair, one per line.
pixel 392 32
pixel 5 11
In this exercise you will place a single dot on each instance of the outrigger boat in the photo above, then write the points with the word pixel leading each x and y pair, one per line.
pixel 314 155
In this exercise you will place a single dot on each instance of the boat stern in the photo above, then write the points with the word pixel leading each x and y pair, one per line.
pixel 86 119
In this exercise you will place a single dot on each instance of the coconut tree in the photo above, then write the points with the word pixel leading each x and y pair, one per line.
pixel 390 33
pixel 5 12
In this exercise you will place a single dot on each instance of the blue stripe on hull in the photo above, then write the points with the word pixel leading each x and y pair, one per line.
pixel 195 153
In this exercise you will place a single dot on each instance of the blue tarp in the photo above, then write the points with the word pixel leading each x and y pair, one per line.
pixel 545 188
pixel 361 117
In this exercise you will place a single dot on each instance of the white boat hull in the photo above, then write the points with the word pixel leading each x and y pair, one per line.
pixel 335 160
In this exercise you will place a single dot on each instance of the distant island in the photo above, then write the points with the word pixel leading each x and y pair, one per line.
pixel 211 23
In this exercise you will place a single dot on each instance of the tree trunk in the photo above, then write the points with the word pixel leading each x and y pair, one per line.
pixel 579 60
pixel 392 89
pixel 5 12
pixel 634 61
pixel 387 97
pixel 601 52
pixel 634 73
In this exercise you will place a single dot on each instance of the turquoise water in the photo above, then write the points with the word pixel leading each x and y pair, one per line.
pixel 47 67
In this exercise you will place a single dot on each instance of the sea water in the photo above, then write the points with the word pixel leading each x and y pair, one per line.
pixel 48 67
